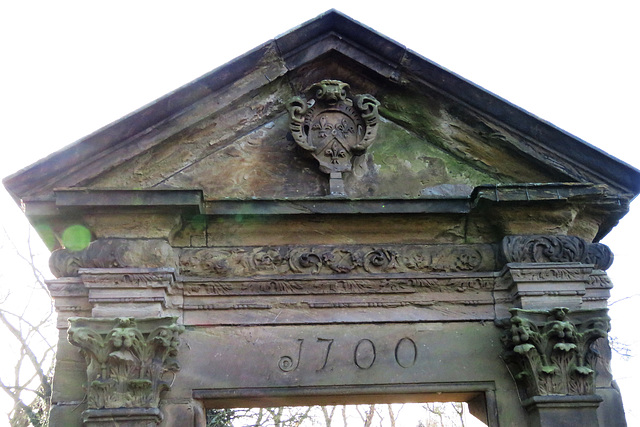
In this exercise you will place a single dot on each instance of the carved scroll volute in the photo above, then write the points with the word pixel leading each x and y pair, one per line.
pixel 332 126
pixel 540 248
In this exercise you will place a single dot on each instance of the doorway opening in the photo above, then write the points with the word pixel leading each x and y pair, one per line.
pixel 267 408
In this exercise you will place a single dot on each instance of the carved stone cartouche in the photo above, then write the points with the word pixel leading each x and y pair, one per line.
pixel 550 352
pixel 332 126
pixel 127 359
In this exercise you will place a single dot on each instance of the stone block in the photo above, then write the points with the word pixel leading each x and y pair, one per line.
pixel 563 411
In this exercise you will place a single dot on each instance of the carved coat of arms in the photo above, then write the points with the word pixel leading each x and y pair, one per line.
pixel 333 126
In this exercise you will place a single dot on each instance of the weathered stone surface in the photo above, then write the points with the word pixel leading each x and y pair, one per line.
pixel 380 280
pixel 133 225
pixel 122 417
pixel 334 230
pixel 182 412
pixel 563 411
pixel 113 253
pixel 70 374
pixel 304 360
pixel 67 415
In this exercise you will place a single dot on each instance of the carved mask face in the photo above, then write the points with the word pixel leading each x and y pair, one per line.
pixel 333 133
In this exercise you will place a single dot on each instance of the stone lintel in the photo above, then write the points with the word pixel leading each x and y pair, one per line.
pixel 563 411
pixel 122 417
pixel 545 285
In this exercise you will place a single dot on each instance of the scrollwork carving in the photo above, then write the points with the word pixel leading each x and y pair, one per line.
pixel 539 248
pixel 544 249
pixel 220 262
pixel 127 359
pixel 332 126
pixel 550 352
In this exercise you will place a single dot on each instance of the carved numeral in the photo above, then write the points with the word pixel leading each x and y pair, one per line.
pixel 287 364
pixel 329 342
pixel 406 352
pixel 364 354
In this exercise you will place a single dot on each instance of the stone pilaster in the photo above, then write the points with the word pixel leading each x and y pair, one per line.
pixel 129 363
pixel 550 355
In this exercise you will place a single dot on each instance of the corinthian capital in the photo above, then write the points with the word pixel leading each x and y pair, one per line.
pixel 127 359
pixel 550 352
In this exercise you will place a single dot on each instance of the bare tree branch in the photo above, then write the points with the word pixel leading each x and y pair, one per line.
pixel 29 353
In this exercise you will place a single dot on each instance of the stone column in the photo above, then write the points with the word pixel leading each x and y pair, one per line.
pixel 129 362
pixel 118 299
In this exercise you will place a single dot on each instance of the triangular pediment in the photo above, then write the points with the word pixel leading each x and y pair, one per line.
pixel 228 133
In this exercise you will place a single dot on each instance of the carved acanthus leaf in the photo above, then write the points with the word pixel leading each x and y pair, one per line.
pixel 549 351
pixel 126 358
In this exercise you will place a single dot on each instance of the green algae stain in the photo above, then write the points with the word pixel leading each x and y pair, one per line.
pixel 414 162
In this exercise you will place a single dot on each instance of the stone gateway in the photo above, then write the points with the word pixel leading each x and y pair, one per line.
pixel 330 218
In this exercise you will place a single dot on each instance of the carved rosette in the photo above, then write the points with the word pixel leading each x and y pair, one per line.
pixel 541 248
pixel 333 126
pixel 128 360
pixel 550 352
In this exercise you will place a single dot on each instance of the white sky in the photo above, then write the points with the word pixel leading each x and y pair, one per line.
pixel 69 68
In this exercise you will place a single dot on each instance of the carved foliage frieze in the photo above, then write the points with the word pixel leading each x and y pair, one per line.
pixel 340 286
pixel 322 260
pixel 549 352
pixel 333 126
pixel 129 361
pixel 543 248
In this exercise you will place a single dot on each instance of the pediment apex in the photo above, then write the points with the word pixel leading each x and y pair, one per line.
pixel 338 47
